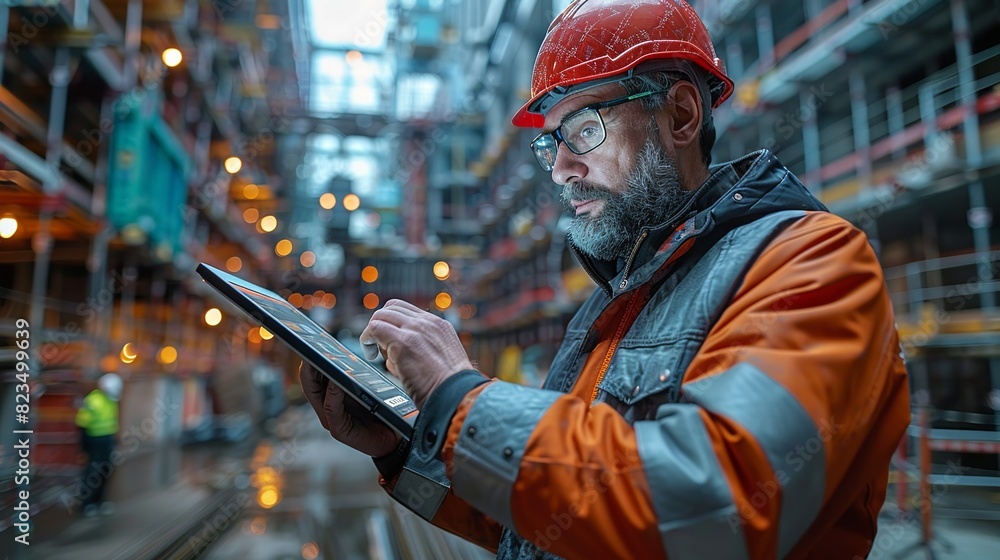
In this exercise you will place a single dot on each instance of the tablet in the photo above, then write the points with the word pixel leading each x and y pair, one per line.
pixel 359 379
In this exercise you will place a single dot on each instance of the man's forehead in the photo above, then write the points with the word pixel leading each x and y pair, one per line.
pixel 578 101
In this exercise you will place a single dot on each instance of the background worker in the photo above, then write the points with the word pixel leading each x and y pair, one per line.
pixel 98 422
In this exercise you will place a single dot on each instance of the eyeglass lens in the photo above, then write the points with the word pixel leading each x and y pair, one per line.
pixel 545 151
pixel 582 132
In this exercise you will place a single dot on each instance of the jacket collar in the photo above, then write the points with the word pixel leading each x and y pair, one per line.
pixel 735 192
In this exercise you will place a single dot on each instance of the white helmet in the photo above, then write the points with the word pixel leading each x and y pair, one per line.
pixel 111 385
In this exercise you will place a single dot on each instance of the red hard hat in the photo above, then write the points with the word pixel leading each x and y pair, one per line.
pixel 599 40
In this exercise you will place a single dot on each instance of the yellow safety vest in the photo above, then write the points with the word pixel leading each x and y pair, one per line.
pixel 99 415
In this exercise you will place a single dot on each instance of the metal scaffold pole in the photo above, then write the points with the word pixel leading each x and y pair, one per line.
pixel 42 242
pixel 101 294
pixel 980 216
pixel 4 24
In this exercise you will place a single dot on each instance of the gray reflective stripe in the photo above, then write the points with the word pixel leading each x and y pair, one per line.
pixel 489 450
pixel 784 430
pixel 691 496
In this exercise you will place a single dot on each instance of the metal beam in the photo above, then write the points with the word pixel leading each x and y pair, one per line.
pixel 23 120
pixel 816 59
pixel 133 42
pixel 110 71
pixel 105 21
pixel 4 24
pixel 765 36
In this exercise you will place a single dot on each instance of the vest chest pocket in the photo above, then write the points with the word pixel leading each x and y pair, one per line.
pixel 642 377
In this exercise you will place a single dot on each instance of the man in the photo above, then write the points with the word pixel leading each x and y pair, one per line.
pixel 734 386
pixel 98 423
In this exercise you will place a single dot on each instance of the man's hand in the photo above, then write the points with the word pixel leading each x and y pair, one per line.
pixel 420 348
pixel 359 430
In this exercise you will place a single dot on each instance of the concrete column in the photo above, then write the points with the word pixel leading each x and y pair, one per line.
pixel 928 116
pixel 4 24
pixel 765 36
pixel 914 284
pixel 930 243
pixel 859 118
pixel 734 56
pixel 980 216
pixel 812 10
pixel 81 13
pixel 966 81
pixel 133 43
pixel 735 147
pixel 810 143
pixel 894 115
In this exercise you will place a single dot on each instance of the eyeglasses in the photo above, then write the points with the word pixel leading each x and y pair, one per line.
pixel 582 131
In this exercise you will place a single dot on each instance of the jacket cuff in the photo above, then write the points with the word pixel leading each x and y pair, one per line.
pixel 439 409
pixel 422 483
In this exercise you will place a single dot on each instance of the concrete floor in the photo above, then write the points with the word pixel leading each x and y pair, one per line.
pixel 965 524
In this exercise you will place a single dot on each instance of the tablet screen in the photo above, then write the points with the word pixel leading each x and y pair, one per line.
pixel 331 348
pixel 383 398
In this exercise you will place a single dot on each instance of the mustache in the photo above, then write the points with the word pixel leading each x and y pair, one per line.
pixel 583 190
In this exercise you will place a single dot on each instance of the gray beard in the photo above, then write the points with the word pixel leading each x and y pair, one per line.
pixel 653 195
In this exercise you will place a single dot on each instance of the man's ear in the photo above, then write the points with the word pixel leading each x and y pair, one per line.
pixel 685 112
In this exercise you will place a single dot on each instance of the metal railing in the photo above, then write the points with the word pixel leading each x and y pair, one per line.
pixel 951 284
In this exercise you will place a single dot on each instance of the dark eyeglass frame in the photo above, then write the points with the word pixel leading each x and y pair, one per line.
pixel 556 136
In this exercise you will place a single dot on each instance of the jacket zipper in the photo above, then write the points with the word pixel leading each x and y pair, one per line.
pixel 631 258
pixel 627 319
pixel 622 327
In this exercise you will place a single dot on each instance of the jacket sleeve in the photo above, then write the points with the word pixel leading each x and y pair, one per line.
pixel 775 408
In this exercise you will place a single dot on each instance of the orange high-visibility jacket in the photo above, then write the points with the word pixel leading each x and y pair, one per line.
pixel 735 390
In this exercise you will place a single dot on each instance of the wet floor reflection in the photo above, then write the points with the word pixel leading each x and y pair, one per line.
pixel 312 498
pixel 288 492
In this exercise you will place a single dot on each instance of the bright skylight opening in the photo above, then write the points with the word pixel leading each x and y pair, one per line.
pixel 347 68
pixel 357 24
pixel 416 95
pixel 339 87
